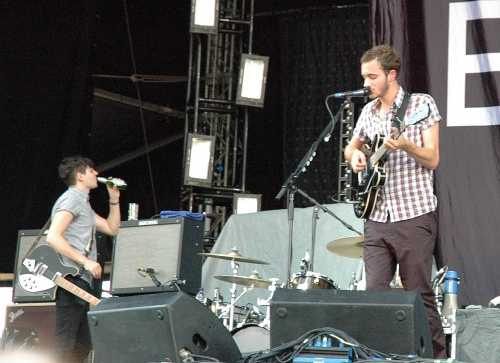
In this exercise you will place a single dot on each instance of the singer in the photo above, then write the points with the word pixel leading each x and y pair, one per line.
pixel 72 235
pixel 401 228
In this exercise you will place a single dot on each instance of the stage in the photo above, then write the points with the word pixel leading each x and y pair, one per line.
pixel 266 313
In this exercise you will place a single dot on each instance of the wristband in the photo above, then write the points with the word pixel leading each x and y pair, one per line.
pixel 110 202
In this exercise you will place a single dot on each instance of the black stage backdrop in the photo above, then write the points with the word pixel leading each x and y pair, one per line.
pixel 458 59
pixel 320 52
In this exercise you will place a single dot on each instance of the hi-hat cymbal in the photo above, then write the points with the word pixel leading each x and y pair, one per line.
pixel 234 255
pixel 351 247
pixel 252 280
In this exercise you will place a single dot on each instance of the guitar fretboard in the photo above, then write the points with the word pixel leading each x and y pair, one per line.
pixel 66 285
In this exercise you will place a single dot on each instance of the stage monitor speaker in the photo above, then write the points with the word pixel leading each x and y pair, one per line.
pixel 169 246
pixel 25 239
pixel 158 328
pixel 389 322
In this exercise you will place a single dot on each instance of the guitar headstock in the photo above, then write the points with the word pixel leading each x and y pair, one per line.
pixel 420 114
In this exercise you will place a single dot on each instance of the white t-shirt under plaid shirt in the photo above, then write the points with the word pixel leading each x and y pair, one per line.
pixel 408 191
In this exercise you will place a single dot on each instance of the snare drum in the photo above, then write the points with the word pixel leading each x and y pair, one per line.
pixel 251 338
pixel 312 280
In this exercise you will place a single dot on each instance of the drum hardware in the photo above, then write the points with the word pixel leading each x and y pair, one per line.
pixel 351 247
pixel 227 311
pixel 251 281
pixel 266 323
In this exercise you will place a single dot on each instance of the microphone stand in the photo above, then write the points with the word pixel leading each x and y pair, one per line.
pixel 289 186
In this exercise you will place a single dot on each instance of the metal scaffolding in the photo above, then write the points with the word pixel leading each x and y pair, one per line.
pixel 346 126
pixel 211 110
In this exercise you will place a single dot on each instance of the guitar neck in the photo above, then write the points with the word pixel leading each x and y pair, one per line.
pixel 66 285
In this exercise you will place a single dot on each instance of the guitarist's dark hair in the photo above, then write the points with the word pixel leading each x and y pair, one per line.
pixel 386 55
pixel 72 165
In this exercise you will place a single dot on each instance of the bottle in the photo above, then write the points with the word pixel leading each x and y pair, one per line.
pixel 450 303
pixel 121 184
pixel 215 302
pixel 200 296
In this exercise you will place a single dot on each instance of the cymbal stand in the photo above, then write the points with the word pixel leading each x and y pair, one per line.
pixel 230 324
pixel 266 323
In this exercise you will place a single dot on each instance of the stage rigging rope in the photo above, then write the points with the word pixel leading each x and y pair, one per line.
pixel 141 111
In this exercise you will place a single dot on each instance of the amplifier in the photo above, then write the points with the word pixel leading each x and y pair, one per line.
pixel 25 239
pixel 169 246
pixel 29 326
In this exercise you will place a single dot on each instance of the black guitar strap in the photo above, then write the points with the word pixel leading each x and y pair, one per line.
pixel 401 111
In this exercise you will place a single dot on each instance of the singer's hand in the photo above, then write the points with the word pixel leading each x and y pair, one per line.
pixel 114 193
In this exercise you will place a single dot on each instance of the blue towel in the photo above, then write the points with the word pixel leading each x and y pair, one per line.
pixel 181 213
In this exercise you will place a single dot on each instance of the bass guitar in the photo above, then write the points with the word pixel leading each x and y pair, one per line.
pixel 42 279
pixel 374 176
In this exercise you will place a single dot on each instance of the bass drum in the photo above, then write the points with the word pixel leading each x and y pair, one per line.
pixel 251 338
pixel 312 280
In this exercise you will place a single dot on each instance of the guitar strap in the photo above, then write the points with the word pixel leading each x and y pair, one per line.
pixel 401 111
pixel 40 234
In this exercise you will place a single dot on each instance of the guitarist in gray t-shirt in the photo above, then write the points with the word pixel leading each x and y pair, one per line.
pixel 72 235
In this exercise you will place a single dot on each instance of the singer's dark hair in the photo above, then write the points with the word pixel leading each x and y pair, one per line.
pixel 72 165
pixel 386 55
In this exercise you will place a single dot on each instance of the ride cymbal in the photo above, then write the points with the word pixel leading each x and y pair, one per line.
pixel 252 280
pixel 233 255
pixel 351 247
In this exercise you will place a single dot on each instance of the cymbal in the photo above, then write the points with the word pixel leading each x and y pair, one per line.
pixel 351 247
pixel 252 280
pixel 234 255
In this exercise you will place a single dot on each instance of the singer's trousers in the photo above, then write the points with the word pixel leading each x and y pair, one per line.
pixel 411 244
pixel 71 342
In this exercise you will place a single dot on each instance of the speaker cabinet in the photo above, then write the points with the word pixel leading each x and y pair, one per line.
pixel 157 328
pixel 389 322
pixel 170 246
pixel 25 239
pixel 29 326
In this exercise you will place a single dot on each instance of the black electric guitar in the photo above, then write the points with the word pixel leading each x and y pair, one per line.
pixel 41 279
pixel 374 176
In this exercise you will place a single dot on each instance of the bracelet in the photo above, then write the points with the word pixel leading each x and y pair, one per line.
pixel 110 202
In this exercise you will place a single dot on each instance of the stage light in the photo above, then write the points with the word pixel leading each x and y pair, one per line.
pixel 204 16
pixel 246 203
pixel 199 160
pixel 252 80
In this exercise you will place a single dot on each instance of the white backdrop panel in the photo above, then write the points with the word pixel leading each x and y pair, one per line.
pixel 264 236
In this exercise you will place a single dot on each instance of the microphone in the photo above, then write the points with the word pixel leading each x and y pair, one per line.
pixel 363 92
pixel 148 270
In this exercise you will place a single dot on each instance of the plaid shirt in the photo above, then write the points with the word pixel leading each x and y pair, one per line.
pixel 408 191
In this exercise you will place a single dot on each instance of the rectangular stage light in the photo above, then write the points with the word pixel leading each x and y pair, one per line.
pixel 246 203
pixel 204 16
pixel 252 80
pixel 199 160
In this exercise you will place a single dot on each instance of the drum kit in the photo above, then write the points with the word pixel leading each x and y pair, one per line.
pixel 256 336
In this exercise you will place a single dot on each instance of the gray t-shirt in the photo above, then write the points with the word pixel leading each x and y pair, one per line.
pixel 81 229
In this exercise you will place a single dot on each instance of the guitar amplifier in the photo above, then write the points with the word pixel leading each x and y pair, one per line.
pixel 170 246
pixel 29 326
pixel 25 240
